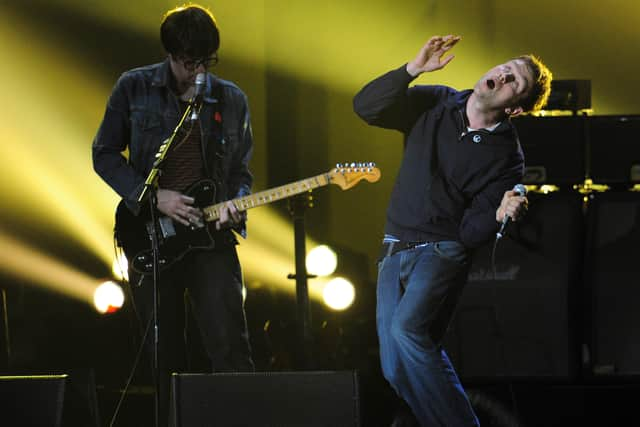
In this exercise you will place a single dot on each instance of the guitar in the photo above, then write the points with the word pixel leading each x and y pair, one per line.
pixel 175 239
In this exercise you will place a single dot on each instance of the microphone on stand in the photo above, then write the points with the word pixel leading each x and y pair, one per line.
pixel 197 96
pixel 520 190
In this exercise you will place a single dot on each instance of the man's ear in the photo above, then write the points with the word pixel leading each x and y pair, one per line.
pixel 513 111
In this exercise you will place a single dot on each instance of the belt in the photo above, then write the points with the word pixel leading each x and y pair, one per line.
pixel 390 248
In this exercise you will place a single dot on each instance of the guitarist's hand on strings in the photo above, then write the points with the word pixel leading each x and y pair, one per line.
pixel 178 207
pixel 230 216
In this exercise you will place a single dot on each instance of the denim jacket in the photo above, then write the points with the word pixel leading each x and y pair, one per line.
pixel 142 112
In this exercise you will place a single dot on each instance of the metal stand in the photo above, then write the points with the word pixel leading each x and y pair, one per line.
pixel 5 343
pixel 297 207
pixel 150 190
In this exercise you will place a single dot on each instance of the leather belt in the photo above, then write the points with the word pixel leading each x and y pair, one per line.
pixel 390 248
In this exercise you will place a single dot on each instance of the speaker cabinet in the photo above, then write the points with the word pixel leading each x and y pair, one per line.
pixel 554 149
pixel 521 320
pixel 615 152
pixel 34 401
pixel 266 399
pixel 612 272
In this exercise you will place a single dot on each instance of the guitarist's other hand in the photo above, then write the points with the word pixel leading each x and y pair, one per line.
pixel 230 216
pixel 178 206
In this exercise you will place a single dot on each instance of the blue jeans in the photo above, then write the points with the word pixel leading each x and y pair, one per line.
pixel 418 290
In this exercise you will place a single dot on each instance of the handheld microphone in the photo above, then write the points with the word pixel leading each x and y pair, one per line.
pixel 520 190
pixel 197 95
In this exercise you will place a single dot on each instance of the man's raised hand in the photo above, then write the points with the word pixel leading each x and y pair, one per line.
pixel 431 56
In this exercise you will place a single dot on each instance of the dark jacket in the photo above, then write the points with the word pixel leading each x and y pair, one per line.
pixel 451 181
pixel 142 112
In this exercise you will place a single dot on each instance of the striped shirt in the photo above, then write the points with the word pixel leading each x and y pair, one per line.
pixel 183 165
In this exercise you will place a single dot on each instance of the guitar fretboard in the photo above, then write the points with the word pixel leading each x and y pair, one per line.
pixel 212 213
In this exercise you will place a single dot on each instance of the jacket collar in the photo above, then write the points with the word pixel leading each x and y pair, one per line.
pixel 459 101
pixel 161 74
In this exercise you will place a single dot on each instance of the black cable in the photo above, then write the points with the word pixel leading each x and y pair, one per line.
pixel 500 335
pixel 117 249
pixel 131 374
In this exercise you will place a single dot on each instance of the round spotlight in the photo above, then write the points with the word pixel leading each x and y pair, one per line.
pixel 108 297
pixel 321 261
pixel 339 293
pixel 120 267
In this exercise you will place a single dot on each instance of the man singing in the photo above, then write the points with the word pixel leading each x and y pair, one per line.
pixel 461 160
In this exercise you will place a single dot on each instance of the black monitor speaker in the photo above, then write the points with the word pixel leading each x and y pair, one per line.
pixel 262 399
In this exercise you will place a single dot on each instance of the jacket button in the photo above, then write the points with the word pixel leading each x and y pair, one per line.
pixel 477 138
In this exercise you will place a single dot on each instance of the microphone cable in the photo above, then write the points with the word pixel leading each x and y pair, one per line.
pixel 127 284
pixel 499 333
pixel 116 411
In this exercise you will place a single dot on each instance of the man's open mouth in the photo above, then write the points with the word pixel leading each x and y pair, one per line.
pixel 491 84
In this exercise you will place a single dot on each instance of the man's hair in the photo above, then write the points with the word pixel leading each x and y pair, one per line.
pixel 538 94
pixel 190 31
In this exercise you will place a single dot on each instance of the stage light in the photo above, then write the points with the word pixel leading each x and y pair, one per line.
pixel 108 297
pixel 339 293
pixel 321 261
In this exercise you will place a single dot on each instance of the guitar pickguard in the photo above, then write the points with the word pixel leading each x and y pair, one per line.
pixel 174 239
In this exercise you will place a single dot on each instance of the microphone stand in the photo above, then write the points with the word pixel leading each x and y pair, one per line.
pixel 150 188
pixel 297 207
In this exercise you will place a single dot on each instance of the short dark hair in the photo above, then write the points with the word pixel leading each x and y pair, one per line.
pixel 538 94
pixel 190 31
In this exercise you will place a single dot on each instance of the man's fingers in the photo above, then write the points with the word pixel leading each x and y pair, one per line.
pixel 193 213
pixel 182 220
pixel 186 199
pixel 446 60
pixel 235 213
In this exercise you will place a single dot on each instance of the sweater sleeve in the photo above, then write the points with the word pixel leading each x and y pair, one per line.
pixel 478 223
pixel 389 103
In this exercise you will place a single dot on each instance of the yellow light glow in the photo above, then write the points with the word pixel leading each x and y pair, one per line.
pixel 45 172
pixel 321 261
pixel 264 267
pixel 108 297
pixel 267 261
pixel 27 263
pixel 120 267
pixel 339 293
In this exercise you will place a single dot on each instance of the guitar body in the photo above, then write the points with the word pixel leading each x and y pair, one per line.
pixel 174 239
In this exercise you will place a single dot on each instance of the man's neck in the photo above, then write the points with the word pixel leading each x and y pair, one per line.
pixel 181 91
pixel 481 117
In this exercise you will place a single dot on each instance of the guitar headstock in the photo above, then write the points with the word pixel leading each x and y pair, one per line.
pixel 346 175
